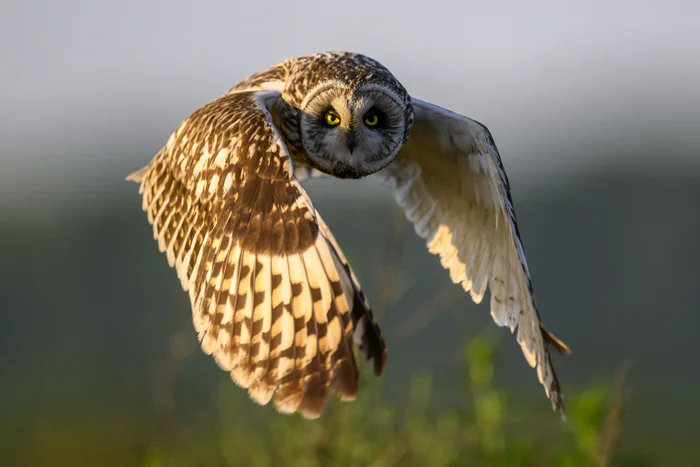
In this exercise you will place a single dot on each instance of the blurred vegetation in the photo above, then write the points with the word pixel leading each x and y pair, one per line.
pixel 99 365
pixel 372 432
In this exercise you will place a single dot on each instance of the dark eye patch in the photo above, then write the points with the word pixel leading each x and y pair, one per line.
pixel 385 120
pixel 375 111
pixel 381 115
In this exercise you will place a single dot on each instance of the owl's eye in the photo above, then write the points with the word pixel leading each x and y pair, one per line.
pixel 371 119
pixel 332 119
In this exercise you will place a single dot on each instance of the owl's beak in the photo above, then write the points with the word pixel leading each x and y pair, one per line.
pixel 352 142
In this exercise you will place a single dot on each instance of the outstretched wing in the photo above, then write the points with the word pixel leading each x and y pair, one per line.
pixel 273 299
pixel 450 181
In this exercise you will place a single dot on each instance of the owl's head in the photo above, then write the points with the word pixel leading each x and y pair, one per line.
pixel 353 131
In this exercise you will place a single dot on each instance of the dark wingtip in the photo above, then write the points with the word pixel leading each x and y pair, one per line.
pixel 378 349
pixel 380 360
pixel 564 418
pixel 372 344
pixel 557 400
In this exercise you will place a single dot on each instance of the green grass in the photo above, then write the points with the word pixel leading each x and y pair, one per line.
pixel 372 431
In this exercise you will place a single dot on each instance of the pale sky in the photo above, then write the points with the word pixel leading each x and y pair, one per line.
pixel 89 85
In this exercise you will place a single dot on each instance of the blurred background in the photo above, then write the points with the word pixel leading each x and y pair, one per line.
pixel 595 110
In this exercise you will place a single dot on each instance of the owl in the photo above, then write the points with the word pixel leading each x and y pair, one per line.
pixel 273 298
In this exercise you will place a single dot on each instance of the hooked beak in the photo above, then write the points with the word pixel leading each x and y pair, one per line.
pixel 352 143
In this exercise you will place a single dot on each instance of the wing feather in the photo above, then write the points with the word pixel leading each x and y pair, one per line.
pixel 366 333
pixel 260 391
pixel 450 181
pixel 281 359
pixel 291 390
pixel 315 375
pixel 344 369
pixel 242 327
pixel 226 300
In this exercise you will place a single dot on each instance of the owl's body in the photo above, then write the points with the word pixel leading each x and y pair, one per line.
pixel 273 298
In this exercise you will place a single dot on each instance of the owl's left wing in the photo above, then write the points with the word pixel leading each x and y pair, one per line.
pixel 451 183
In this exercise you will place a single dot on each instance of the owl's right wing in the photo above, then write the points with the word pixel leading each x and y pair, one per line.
pixel 273 298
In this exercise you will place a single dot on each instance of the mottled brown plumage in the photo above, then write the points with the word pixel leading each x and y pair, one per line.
pixel 273 298
pixel 225 207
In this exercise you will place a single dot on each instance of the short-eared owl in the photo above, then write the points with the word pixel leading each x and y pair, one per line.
pixel 273 298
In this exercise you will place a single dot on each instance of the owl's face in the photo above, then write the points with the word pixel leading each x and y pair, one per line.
pixel 351 132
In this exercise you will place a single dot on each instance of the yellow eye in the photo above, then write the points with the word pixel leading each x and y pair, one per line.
pixel 371 120
pixel 332 119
